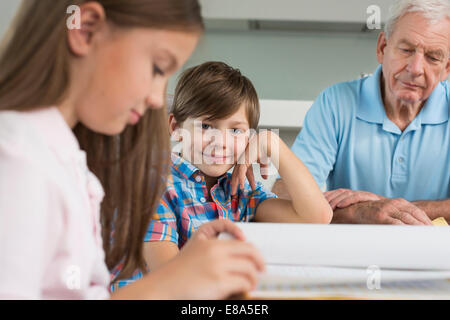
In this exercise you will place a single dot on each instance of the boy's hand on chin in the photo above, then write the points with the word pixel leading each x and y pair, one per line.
pixel 259 150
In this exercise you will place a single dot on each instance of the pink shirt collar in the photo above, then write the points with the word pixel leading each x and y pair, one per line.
pixel 56 132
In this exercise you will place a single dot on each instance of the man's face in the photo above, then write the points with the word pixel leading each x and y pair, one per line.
pixel 415 58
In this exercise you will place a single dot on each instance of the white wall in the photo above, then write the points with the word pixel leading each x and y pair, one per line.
pixel 7 11
pixel 293 10
pixel 290 65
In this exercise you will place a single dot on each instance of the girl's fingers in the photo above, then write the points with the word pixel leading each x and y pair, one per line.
pixel 234 249
pixel 212 229
pixel 245 268
pixel 235 284
pixel 245 249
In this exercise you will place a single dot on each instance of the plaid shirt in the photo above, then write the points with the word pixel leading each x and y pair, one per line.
pixel 184 205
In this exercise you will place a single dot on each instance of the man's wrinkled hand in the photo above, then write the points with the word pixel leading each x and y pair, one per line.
pixel 390 211
pixel 343 198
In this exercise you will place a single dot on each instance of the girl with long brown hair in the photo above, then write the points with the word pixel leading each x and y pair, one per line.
pixel 93 97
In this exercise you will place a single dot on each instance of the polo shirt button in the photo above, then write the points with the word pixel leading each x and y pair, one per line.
pixel 198 179
pixel 401 159
pixel 202 200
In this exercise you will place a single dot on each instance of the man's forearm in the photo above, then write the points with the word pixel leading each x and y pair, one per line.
pixel 435 209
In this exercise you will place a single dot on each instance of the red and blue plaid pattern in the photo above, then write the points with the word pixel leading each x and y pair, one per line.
pixel 184 206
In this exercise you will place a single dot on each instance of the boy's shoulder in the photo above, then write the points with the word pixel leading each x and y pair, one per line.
pixel 181 171
pixel 181 168
pixel 181 175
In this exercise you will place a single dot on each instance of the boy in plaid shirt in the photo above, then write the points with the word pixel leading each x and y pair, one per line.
pixel 214 115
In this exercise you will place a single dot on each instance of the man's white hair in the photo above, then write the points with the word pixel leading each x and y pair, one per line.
pixel 433 10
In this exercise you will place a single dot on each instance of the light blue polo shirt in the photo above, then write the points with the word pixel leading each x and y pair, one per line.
pixel 347 141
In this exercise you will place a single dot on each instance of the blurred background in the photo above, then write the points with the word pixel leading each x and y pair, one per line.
pixel 290 49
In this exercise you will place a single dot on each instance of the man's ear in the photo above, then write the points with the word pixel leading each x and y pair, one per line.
pixel 173 126
pixel 92 19
pixel 381 46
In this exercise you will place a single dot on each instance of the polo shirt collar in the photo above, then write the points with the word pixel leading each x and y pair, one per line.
pixel 371 107
pixel 436 109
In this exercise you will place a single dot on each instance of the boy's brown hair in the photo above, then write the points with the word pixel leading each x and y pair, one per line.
pixel 216 90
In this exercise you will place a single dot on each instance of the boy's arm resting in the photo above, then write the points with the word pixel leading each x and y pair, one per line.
pixel 280 190
pixel 316 144
pixel 307 201
pixel 278 210
pixel 157 253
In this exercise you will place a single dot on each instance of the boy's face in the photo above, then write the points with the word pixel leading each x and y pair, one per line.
pixel 214 146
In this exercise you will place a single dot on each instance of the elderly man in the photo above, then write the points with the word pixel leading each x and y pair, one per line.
pixel 382 143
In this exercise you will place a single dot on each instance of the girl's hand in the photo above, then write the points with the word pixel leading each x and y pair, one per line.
pixel 207 268
pixel 259 150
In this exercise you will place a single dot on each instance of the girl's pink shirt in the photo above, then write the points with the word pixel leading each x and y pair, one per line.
pixel 50 236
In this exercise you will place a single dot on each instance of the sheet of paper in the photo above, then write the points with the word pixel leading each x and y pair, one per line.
pixel 432 290
pixel 277 275
pixel 390 247
pixel 297 282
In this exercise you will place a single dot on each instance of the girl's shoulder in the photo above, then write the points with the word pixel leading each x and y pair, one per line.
pixel 12 124
pixel 17 137
pixel 22 144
